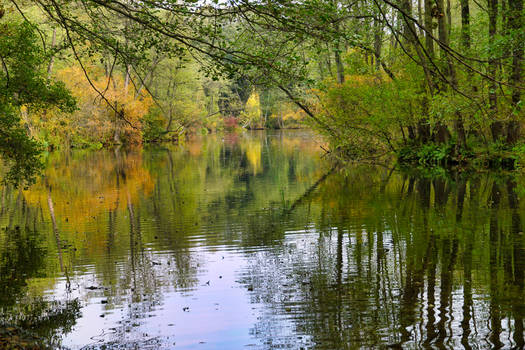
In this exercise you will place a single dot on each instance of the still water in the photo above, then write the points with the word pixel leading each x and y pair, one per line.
pixel 255 241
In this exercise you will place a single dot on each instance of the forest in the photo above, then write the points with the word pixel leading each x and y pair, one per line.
pixel 431 82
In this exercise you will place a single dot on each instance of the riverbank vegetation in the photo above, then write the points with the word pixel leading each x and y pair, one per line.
pixel 431 81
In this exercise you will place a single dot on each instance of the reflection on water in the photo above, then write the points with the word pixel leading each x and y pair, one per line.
pixel 256 241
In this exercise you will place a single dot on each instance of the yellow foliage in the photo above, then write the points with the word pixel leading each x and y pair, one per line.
pixel 96 121
pixel 253 105
pixel 252 111
pixel 358 80
pixel 80 198
pixel 253 149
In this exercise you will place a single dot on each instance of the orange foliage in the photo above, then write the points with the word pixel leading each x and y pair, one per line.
pixel 96 121
pixel 81 191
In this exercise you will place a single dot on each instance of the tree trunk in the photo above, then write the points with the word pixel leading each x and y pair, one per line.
pixel 116 135
pixel 459 127
pixel 505 31
pixel 411 34
pixel 449 19
pixel 52 59
pixel 55 227
pixel 149 75
pixel 423 131
pixel 329 65
pixel 429 42
pixel 126 80
pixel 442 134
pixel 339 65
pixel 515 24
pixel 321 69
pixel 337 57
pixel 465 24
pixel 497 126
pixel 420 18
pixel 339 62
pixel 442 26
pixel 466 37
pixel 411 132
pixel 378 37
pixel 423 127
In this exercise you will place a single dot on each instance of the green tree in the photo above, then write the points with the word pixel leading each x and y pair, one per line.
pixel 23 85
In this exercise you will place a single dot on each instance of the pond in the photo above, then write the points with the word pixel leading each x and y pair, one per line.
pixel 256 241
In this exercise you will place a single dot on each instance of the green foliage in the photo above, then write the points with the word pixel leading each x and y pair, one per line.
pixel 499 155
pixel 153 126
pixel 364 114
pixel 356 64
pixel 428 154
pixel 20 152
pixel 24 86
pixel 200 63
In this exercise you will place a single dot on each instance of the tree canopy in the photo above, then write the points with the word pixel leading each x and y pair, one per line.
pixel 430 80
pixel 24 85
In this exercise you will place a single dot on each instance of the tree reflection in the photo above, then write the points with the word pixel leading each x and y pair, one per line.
pixel 418 262
pixel 338 258
pixel 22 258
pixel 125 224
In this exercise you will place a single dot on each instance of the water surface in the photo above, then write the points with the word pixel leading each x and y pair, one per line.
pixel 255 241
